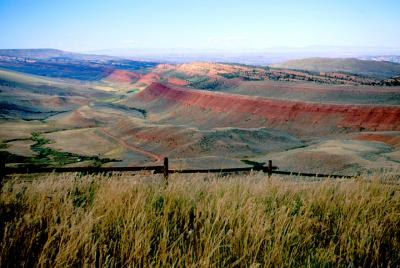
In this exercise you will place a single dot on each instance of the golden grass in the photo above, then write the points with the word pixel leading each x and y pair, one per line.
pixel 199 221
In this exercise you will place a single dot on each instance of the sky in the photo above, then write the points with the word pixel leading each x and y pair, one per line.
pixel 91 25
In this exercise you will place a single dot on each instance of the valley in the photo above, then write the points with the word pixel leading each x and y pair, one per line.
pixel 98 110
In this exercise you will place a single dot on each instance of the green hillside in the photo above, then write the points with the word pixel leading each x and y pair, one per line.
pixel 378 69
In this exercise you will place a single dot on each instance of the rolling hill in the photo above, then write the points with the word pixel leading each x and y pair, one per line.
pixel 43 53
pixel 62 109
pixel 377 69
pixel 391 58
pixel 50 53
pixel 26 96
pixel 57 63
pixel 207 109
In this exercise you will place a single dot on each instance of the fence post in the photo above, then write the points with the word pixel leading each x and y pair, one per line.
pixel 269 168
pixel 166 169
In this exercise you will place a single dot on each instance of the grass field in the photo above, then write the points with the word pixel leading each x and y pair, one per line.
pixel 199 221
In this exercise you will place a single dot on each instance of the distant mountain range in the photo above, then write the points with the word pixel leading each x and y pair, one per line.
pixel 58 63
pixel 248 56
pixel 252 57
pixel 56 55
pixel 49 53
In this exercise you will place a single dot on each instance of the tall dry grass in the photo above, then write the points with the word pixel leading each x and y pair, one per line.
pixel 199 220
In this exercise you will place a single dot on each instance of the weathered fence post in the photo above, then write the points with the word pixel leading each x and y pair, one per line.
pixel 166 169
pixel 269 168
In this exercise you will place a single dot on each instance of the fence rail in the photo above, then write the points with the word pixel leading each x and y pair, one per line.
pixel 317 175
pixel 164 169
pixel 28 170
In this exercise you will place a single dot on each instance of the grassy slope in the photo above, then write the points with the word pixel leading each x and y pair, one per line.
pixel 379 69
pixel 306 91
pixel 26 96
pixel 48 85
pixel 199 220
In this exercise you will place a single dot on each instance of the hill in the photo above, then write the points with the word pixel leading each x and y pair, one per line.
pixel 25 96
pixel 50 53
pixel 40 53
pixel 57 63
pixel 392 58
pixel 223 76
pixel 376 69
pixel 207 109
pixel 193 124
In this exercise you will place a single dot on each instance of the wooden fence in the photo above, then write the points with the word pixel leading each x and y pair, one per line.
pixel 164 169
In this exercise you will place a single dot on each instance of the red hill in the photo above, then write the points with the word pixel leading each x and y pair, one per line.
pixel 295 115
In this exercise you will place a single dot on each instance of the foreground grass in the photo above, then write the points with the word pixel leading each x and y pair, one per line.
pixel 199 220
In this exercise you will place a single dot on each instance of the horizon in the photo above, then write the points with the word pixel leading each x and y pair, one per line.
pixel 262 57
pixel 177 26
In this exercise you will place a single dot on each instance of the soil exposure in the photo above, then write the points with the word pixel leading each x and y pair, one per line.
pixel 279 112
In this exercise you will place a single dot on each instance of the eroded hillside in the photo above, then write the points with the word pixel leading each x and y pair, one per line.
pixel 199 115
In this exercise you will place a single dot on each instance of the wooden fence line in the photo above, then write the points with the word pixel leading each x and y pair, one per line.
pixel 164 169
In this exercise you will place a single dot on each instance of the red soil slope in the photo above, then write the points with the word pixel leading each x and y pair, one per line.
pixel 279 113
pixel 123 76
pixel 177 81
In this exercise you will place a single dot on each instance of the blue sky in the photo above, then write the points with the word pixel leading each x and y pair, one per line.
pixel 176 24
